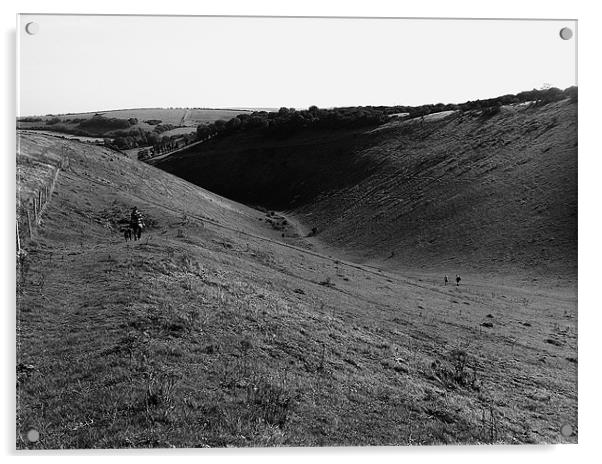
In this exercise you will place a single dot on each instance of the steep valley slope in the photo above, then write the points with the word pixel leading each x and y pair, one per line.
pixel 456 192
pixel 218 329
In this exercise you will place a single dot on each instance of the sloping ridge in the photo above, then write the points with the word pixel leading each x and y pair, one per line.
pixel 491 194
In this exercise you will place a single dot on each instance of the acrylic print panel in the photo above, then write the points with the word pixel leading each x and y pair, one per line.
pixel 253 231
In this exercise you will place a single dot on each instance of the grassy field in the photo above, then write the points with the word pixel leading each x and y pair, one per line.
pixel 226 326
pixel 179 131
pixel 185 119
pixel 36 165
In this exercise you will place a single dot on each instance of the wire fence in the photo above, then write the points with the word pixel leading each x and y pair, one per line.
pixel 31 210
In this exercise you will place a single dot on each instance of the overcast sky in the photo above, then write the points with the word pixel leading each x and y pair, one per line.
pixel 91 63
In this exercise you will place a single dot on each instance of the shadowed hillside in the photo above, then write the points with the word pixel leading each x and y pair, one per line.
pixel 217 330
pixel 488 192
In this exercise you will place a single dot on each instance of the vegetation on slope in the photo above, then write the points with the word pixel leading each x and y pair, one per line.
pixel 288 121
pixel 215 331
pixel 125 129
pixel 469 190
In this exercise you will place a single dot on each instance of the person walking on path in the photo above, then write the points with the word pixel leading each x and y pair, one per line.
pixel 458 279
pixel 445 280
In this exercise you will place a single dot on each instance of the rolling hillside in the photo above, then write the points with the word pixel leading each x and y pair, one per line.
pixel 225 326
pixel 185 120
pixel 453 192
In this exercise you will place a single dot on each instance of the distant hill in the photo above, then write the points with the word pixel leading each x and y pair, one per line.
pixel 489 190
pixel 185 120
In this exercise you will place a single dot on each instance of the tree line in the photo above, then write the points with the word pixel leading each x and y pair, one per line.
pixel 286 121
pixel 283 122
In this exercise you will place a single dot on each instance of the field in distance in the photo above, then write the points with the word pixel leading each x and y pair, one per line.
pixel 184 120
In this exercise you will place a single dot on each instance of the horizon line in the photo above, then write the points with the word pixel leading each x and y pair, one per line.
pixel 263 108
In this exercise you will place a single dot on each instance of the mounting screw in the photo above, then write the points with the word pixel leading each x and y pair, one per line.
pixel 566 33
pixel 566 430
pixel 33 435
pixel 32 28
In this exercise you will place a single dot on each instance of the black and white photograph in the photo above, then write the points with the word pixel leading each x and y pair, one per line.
pixel 272 231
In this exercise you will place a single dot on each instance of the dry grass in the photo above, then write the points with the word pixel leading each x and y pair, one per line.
pixel 201 336
pixel 492 196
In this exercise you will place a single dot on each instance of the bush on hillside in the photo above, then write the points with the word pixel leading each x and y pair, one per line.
pixel 163 128
pixel 492 110
pixel 572 94
pixel 98 124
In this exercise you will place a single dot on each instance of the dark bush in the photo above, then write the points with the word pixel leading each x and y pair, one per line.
pixel 457 371
pixel 492 110
pixel 98 124
pixel 163 128
pixel 571 93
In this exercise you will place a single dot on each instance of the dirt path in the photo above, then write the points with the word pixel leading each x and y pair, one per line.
pixel 183 120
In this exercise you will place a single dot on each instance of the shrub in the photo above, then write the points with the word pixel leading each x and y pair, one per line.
pixel 456 371
pixel 491 111
pixel 99 124
pixel 271 402
pixel 163 128
pixel 571 93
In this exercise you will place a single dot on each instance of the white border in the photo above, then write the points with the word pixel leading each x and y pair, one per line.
pixel 590 168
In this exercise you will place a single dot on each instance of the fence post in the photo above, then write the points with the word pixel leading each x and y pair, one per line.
pixel 18 238
pixel 29 223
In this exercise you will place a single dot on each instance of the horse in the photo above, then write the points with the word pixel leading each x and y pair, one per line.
pixel 137 230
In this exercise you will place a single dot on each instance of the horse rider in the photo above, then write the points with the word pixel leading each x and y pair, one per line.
pixel 136 223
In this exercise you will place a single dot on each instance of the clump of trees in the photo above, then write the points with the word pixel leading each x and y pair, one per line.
pixel 137 137
pixel 537 96
pixel 131 139
pixel 163 128
pixel 99 124
pixel 572 94
pixel 287 121
pixel 490 106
